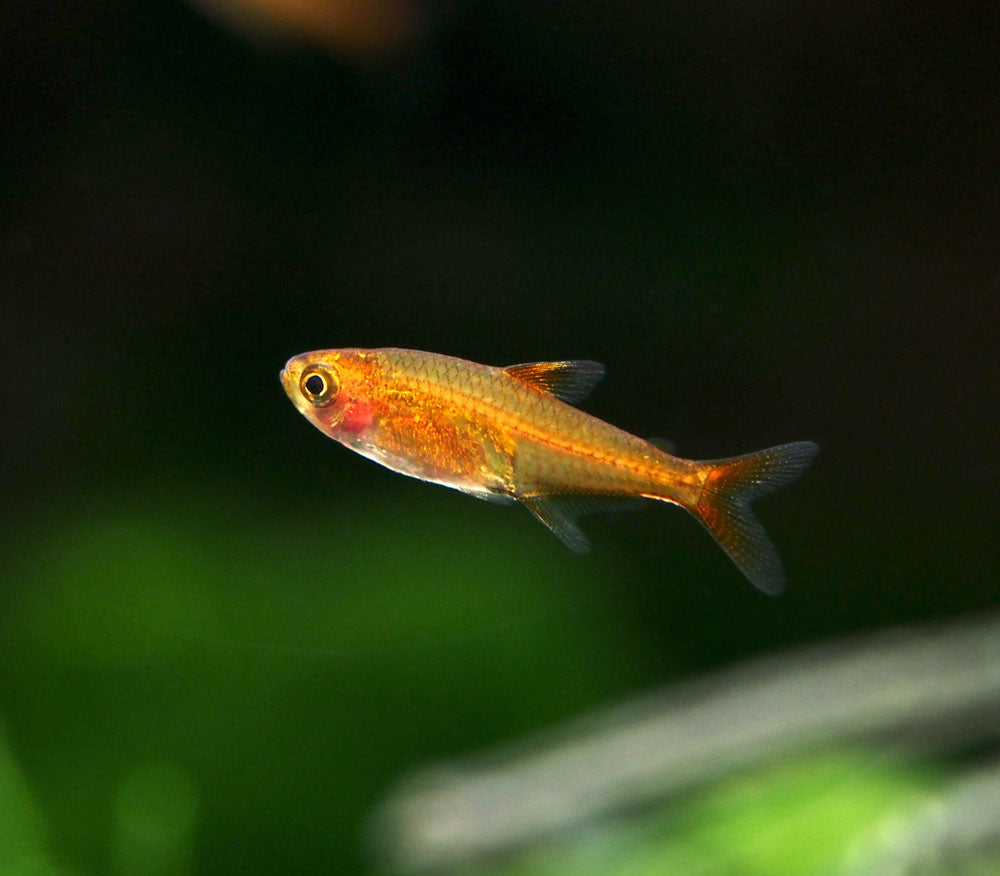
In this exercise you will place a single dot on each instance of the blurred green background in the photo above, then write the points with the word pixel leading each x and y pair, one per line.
pixel 222 637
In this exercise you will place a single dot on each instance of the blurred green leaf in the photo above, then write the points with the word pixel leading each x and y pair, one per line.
pixel 22 837
pixel 307 653
pixel 155 817
pixel 798 816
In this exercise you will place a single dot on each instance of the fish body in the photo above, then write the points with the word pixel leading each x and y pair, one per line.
pixel 513 433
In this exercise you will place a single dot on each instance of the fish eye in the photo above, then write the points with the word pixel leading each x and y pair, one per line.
pixel 314 384
pixel 319 385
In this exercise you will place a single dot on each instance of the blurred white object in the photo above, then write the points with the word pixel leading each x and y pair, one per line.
pixel 919 689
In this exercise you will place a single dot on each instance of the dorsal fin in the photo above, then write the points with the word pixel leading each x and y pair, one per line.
pixel 570 381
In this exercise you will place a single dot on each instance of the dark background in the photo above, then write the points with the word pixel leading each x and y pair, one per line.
pixel 770 221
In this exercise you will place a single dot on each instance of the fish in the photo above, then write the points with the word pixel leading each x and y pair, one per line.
pixel 515 433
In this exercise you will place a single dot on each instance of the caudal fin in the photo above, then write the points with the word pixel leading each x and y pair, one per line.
pixel 724 506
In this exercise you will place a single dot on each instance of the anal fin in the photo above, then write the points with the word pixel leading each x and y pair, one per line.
pixel 664 444
pixel 561 511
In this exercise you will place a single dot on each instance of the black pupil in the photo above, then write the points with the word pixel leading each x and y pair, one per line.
pixel 315 384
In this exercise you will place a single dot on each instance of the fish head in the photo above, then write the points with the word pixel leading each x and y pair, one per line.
pixel 332 389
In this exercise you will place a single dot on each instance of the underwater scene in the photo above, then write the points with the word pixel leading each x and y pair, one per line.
pixel 702 300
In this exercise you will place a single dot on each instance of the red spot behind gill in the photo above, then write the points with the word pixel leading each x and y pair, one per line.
pixel 357 416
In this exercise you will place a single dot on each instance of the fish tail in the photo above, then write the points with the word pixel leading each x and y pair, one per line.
pixel 723 506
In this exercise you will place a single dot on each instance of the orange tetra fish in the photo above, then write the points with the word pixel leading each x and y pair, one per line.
pixel 513 433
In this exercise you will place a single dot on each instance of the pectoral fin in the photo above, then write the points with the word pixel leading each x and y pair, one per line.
pixel 570 381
